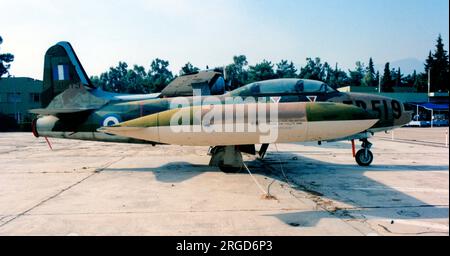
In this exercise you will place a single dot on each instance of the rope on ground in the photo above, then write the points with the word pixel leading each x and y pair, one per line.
pixel 266 194
pixel 281 166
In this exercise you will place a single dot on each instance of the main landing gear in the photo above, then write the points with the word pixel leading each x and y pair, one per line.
pixel 364 156
pixel 229 158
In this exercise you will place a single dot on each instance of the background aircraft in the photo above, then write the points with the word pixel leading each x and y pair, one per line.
pixel 308 111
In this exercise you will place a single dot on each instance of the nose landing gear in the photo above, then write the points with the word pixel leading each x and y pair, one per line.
pixel 364 156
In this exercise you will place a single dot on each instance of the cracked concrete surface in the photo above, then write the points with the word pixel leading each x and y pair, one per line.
pixel 92 188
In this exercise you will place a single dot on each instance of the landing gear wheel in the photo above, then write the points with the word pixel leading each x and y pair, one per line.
pixel 229 169
pixel 364 157
pixel 227 158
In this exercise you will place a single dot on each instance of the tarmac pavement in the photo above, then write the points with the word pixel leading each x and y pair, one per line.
pixel 94 188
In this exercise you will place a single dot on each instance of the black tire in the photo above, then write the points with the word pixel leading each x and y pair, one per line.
pixel 361 157
pixel 229 169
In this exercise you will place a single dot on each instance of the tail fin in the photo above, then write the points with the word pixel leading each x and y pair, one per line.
pixel 62 70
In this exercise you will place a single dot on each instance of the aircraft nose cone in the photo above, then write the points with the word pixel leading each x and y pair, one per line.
pixel 406 118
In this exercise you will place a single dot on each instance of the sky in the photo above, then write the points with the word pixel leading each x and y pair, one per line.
pixel 104 32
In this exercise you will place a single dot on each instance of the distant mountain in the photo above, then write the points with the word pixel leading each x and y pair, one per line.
pixel 406 65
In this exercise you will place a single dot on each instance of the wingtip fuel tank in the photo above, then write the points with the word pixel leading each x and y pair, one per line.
pixel 257 124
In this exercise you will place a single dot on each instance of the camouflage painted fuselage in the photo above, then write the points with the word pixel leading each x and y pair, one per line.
pixel 75 109
pixel 99 112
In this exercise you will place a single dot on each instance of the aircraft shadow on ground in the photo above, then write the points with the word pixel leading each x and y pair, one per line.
pixel 331 145
pixel 345 183
pixel 175 172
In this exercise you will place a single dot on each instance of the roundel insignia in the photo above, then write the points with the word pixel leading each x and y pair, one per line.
pixel 111 120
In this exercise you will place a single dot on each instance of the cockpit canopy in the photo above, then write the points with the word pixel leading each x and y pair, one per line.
pixel 282 87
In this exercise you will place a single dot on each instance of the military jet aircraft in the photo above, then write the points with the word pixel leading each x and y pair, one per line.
pixel 304 110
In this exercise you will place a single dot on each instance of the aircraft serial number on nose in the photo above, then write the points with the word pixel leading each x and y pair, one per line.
pixel 381 107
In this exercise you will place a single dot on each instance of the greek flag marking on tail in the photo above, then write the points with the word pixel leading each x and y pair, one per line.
pixel 61 72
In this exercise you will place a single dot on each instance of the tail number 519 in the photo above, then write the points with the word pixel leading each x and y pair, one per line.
pixel 382 107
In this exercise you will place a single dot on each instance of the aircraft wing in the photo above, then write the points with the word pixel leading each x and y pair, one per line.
pixel 62 111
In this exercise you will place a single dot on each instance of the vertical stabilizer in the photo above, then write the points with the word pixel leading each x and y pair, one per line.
pixel 62 70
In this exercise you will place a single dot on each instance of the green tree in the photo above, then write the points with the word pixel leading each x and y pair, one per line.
pixel 159 75
pixel 398 78
pixel 121 79
pixel 386 82
pixel 5 60
pixel 114 80
pixel 261 71
pixel 410 79
pixel 421 83
pixel 97 81
pixel 429 62
pixel 286 69
pixel 377 78
pixel 236 73
pixel 414 79
pixel 440 68
pixel 357 75
pixel 336 77
pixel 328 72
pixel 313 69
pixel 188 68
pixel 369 78
pixel 138 81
